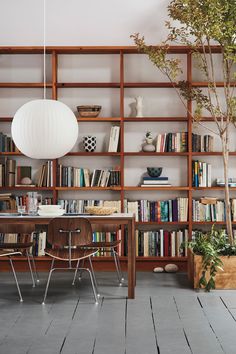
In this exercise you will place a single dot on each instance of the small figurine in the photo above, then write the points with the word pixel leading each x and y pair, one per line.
pixel 148 147
pixel 139 106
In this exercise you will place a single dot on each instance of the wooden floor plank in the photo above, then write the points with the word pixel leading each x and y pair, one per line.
pixel 221 321
pixel 83 329
pixel 140 332
pixel 200 336
pixel 110 336
pixel 169 329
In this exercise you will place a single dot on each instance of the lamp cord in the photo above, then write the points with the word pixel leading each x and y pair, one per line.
pixel 44 49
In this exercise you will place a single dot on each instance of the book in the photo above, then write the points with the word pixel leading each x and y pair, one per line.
pixel 114 139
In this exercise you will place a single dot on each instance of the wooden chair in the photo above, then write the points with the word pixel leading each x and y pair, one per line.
pixel 107 246
pixel 66 235
pixel 23 244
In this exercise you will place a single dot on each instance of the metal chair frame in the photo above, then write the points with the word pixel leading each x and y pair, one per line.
pixel 9 254
pixel 70 260
pixel 11 228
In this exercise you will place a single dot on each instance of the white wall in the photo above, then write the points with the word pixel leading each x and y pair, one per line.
pixel 81 22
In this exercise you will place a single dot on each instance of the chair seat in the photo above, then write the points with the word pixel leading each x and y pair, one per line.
pixel 9 253
pixel 76 254
pixel 16 245
pixel 104 244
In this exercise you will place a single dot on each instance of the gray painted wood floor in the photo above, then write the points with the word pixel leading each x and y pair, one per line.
pixel 167 316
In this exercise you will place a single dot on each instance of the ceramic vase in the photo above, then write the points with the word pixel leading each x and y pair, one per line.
pixel 89 143
pixel 148 146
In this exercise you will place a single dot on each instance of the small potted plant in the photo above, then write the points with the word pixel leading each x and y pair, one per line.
pixel 148 145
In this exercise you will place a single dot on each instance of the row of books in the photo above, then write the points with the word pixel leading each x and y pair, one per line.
pixel 7 172
pixel 202 143
pixel 7 144
pixel 161 243
pixel 69 176
pixel 78 206
pixel 201 174
pixel 46 175
pixel 212 209
pixel 172 142
pixel 155 181
pixel 38 238
pixel 107 237
pixel 164 210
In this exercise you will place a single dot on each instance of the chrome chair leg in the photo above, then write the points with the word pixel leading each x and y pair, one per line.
pixel 30 268
pixel 35 269
pixel 118 267
pixel 17 284
pixel 93 285
pixel 76 270
pixel 49 277
pixel 93 275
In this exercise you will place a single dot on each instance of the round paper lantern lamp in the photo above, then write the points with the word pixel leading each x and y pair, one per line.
pixel 44 129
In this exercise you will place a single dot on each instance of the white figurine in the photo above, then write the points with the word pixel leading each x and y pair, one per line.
pixel 139 106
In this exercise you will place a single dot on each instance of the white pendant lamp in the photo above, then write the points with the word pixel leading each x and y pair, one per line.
pixel 44 129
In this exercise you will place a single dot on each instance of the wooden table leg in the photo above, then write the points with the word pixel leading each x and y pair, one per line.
pixel 131 260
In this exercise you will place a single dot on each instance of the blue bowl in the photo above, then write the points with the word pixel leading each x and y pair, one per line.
pixel 154 171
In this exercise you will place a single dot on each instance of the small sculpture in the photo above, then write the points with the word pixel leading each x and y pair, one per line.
pixel 149 146
pixel 139 106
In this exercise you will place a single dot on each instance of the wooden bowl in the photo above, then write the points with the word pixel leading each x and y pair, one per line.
pixel 89 111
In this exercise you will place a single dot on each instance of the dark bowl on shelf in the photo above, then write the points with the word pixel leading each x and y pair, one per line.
pixel 154 171
pixel 89 110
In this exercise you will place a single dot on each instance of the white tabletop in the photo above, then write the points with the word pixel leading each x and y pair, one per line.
pixel 112 216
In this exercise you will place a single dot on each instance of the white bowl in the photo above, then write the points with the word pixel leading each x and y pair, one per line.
pixel 58 212
pixel 49 207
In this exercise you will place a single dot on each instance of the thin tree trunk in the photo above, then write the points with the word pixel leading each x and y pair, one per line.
pixel 225 148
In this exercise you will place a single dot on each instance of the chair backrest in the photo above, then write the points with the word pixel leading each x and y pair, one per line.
pixel 59 228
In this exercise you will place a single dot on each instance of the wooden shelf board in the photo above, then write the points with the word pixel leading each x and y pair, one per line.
pixel 156 258
pixel 88 188
pixel 92 119
pixel 212 153
pixel 172 188
pixel 141 153
pixel 155 119
pixel 211 222
pixel 93 154
pixel 24 85
pixel 161 222
pixel 88 84
pixel 11 153
pixel 181 49
pixel 27 188
pixel 205 84
pixel 150 85
pixel 212 188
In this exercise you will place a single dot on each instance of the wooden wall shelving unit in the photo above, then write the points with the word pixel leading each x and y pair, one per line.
pixel 54 85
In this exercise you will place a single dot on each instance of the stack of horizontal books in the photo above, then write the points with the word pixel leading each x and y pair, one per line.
pixel 155 182
pixel 221 182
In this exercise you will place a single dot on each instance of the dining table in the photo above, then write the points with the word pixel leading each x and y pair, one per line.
pixel 126 219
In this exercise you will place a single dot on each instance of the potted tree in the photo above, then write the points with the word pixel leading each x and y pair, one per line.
pixel 202 24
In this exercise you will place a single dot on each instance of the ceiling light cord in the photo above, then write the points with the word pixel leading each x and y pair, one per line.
pixel 44 49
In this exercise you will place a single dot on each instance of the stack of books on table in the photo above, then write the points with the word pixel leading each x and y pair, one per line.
pixel 155 182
